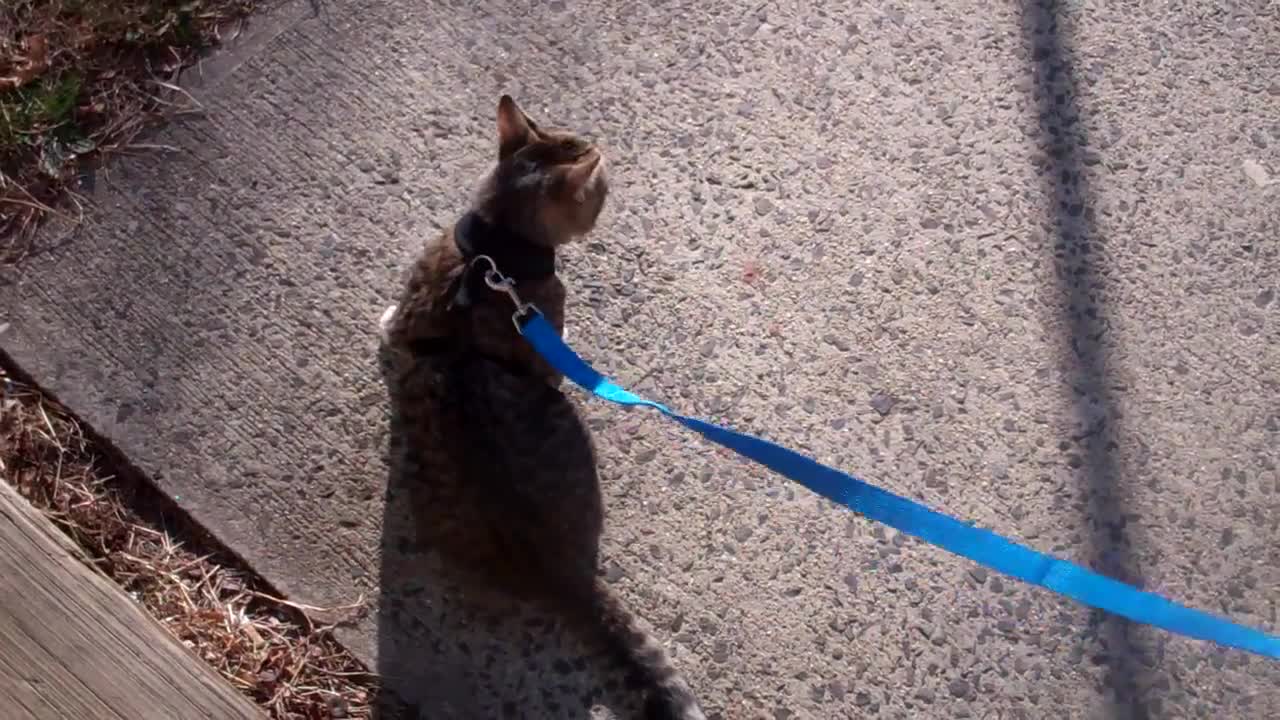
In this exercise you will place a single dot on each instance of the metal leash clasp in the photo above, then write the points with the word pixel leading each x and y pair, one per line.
pixel 498 282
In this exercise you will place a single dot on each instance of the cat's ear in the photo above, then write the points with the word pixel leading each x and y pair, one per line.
pixel 515 129
pixel 578 176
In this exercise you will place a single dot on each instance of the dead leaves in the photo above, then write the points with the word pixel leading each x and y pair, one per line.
pixel 30 65
pixel 79 78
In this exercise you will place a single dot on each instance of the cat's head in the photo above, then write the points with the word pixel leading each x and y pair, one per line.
pixel 549 184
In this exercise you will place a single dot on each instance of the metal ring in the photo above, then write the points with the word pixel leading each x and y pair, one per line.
pixel 497 281
pixel 523 310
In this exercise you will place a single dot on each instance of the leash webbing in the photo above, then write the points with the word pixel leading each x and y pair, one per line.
pixel 981 546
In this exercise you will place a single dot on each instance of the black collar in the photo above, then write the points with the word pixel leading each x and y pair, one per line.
pixel 515 256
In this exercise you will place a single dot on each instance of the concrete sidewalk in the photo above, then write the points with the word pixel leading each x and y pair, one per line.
pixel 1019 264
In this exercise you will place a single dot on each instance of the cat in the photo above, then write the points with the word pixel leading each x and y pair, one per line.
pixel 483 419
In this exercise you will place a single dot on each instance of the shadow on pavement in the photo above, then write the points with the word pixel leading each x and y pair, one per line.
pixel 1080 272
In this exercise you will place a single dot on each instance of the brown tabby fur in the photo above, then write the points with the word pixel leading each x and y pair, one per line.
pixel 511 466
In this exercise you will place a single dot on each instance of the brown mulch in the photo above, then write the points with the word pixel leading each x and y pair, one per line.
pixel 79 80
pixel 269 648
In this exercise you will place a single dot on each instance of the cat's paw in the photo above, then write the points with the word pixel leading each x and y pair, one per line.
pixel 384 323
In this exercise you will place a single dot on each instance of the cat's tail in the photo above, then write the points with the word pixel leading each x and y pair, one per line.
pixel 668 696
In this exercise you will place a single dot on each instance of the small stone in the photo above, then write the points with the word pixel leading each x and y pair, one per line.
pixel 929 222
pixel 979 574
pixel 1022 610
pixel 862 699
pixel 614 572
pixel 925 695
pixel 1255 172
pixel 720 651
pixel 1263 299
pixel 835 340
pixel 882 403
pixel 818 692
pixel 764 206
pixel 960 688
pixel 851 581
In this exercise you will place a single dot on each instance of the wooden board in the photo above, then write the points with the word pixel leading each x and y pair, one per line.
pixel 73 645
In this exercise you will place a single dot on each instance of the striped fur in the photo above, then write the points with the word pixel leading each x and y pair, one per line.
pixel 506 481
pixel 668 696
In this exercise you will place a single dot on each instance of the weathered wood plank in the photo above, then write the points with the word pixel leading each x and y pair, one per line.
pixel 72 645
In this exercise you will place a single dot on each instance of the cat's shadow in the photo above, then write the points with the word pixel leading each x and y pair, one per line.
pixel 446 650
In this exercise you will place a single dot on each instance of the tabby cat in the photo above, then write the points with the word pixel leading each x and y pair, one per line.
pixel 483 420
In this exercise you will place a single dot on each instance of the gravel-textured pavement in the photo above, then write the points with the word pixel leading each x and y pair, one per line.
pixel 1018 262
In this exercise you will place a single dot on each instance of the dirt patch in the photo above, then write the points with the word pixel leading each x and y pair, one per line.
pixel 280 654
pixel 80 79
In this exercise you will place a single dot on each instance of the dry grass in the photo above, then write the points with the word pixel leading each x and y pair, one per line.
pixel 267 647
pixel 79 79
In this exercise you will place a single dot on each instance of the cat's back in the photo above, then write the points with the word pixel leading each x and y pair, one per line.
pixel 514 423
pixel 505 466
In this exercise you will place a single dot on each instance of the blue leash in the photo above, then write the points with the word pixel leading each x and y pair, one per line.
pixel 910 517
